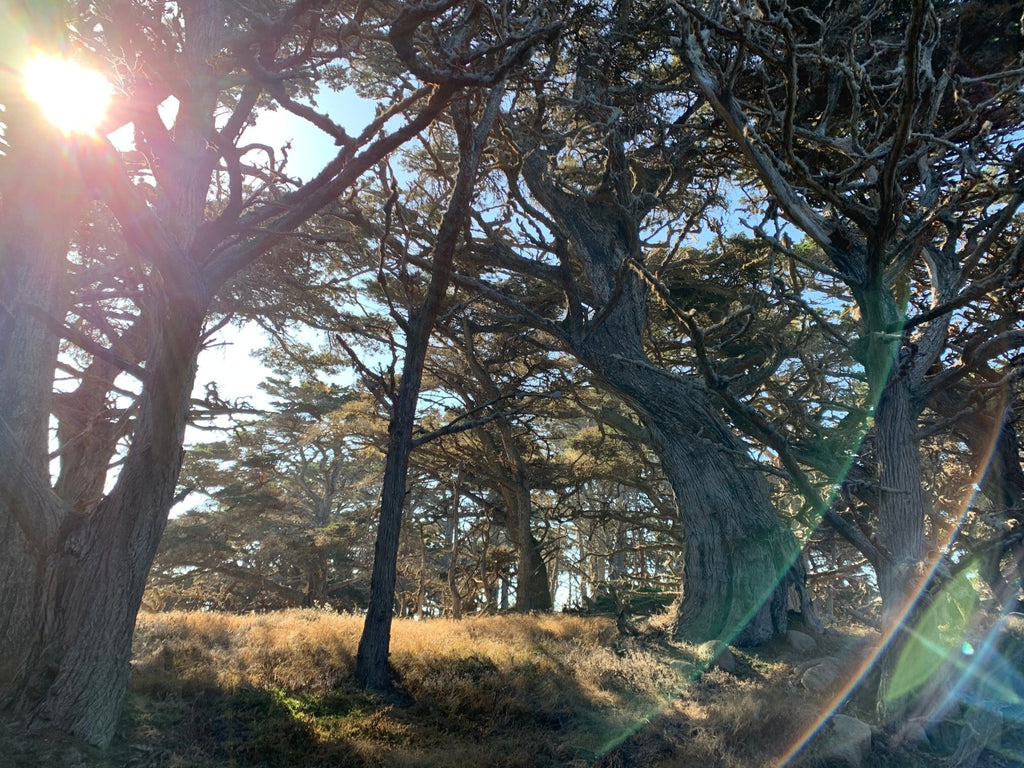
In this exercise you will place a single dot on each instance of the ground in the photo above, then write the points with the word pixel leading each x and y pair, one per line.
pixel 275 690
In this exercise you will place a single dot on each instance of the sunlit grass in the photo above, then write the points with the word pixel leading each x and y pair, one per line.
pixel 497 691
pixel 214 690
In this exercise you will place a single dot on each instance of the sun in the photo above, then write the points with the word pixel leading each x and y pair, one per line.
pixel 72 97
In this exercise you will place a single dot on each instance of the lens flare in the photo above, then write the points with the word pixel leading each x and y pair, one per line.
pixel 72 97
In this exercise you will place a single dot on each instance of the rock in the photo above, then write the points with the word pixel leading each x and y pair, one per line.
pixel 1014 622
pixel 801 642
pixel 914 733
pixel 685 669
pixel 72 758
pixel 803 666
pixel 718 655
pixel 843 741
pixel 822 677
pixel 1011 638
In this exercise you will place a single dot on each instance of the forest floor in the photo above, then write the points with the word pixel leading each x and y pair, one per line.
pixel 213 690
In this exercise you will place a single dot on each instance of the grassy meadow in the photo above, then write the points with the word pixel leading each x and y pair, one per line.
pixel 217 690
pixel 276 690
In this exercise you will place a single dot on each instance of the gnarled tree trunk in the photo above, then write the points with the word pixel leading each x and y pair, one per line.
pixel 73 566
pixel 739 553
pixel 33 246
pixel 67 637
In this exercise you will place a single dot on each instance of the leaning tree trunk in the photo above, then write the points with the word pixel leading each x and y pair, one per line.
pixel 372 669
pixel 739 557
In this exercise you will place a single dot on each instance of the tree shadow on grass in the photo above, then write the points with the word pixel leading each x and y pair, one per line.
pixel 533 698
pixel 241 726
pixel 530 712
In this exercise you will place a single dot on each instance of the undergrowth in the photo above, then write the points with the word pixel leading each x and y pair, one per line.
pixel 213 690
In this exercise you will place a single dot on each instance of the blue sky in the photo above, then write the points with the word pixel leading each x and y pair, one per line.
pixel 230 362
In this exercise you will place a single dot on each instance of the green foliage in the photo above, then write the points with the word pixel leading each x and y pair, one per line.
pixel 288 510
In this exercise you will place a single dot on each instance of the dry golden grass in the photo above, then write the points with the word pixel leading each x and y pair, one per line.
pixel 549 690
pixel 723 721
pixel 212 690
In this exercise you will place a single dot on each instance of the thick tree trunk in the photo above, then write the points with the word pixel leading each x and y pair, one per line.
pixel 739 555
pixel 532 589
pixel 901 570
pixel 33 245
pixel 317 592
pixel 77 596
pixel 901 500
pixel 75 672
pixel 903 573
pixel 73 566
